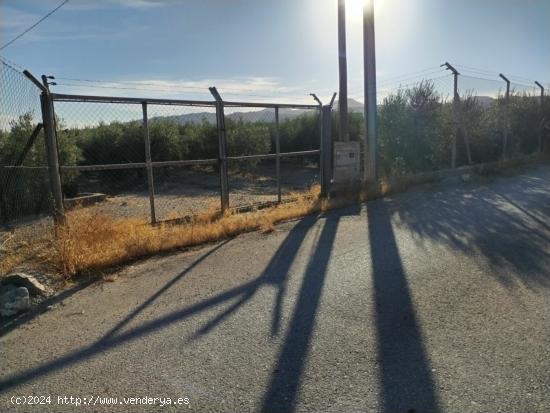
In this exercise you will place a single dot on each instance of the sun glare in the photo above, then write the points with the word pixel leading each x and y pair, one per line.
pixel 354 9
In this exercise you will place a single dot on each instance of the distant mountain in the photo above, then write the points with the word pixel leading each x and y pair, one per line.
pixel 485 101
pixel 267 115
pixel 353 106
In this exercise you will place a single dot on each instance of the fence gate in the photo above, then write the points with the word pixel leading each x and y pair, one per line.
pixel 163 160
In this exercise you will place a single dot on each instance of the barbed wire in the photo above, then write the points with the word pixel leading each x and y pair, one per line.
pixel 485 72
pixel 11 64
pixel 399 85
pixel 406 79
pixel 496 80
pixel 392 79
pixel 395 80
pixel 182 89
pixel 133 82
pixel 175 86
pixel 411 74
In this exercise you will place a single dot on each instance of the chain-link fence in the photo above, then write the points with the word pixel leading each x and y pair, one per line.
pixel 423 126
pixel 110 170
pixel 273 152
pixel 24 188
pixel 499 119
pixel 160 160
pixel 164 159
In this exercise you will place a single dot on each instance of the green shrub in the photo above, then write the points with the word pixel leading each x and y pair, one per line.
pixel 415 131
pixel 25 191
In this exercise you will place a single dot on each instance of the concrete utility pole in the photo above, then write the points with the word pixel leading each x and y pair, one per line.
pixel 369 63
pixel 342 68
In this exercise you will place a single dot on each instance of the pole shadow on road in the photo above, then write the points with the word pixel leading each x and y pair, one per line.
pixel 286 378
pixel 275 274
pixel 405 377
pixel 405 374
pixel 406 382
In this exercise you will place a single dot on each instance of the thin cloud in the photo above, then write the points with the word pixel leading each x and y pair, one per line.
pixel 130 4
pixel 14 19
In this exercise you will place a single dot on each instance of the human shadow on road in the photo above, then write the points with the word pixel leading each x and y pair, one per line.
pixel 406 382
pixel 286 378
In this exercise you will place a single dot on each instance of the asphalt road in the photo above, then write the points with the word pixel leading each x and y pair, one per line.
pixel 437 299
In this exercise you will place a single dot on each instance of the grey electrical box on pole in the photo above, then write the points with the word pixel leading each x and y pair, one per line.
pixel 342 70
pixel 369 62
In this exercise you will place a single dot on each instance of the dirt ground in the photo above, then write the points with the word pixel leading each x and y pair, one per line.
pixel 189 191
pixel 179 193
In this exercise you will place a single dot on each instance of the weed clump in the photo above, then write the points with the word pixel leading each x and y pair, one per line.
pixel 94 240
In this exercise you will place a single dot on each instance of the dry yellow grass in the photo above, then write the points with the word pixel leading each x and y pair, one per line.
pixel 95 240
pixel 92 241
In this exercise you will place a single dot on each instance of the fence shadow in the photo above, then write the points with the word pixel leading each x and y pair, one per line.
pixel 275 273
pixel 405 378
pixel 160 291
pixel 505 222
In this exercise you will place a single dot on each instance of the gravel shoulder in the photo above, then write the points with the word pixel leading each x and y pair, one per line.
pixel 436 299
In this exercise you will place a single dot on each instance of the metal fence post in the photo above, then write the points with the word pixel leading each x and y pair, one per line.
pixel 222 150
pixel 148 164
pixel 48 120
pixel 541 129
pixel 322 164
pixel 326 149
pixel 278 152
pixel 455 111
pixel 325 143
pixel 506 117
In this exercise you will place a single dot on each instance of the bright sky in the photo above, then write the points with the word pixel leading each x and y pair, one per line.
pixel 265 48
